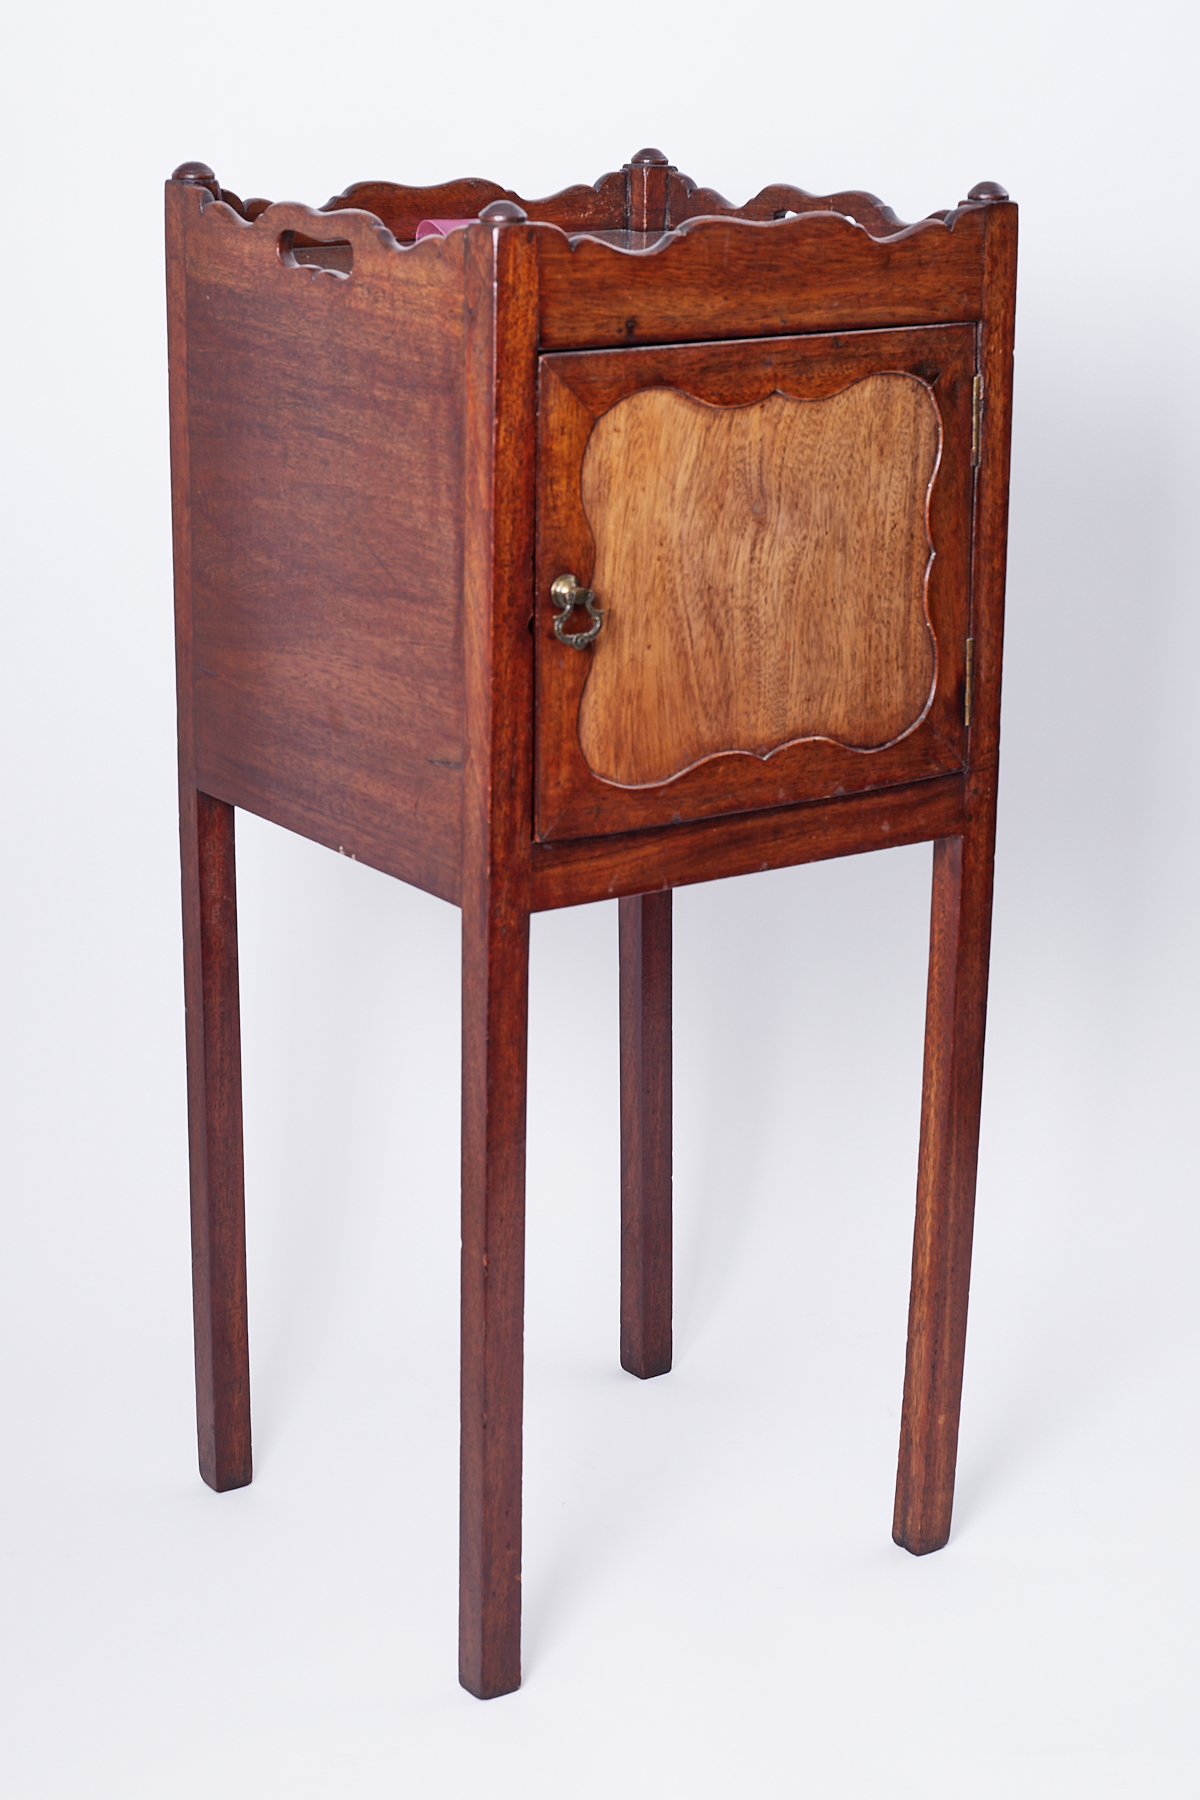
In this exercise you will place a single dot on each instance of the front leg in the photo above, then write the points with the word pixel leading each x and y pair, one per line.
pixel 956 1014
pixel 495 1030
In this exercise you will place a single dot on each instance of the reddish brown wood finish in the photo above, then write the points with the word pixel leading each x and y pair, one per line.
pixel 730 625
pixel 645 956
pixel 500 397
pixel 960 939
pixel 605 206
pixel 637 862
pixel 576 390
pixel 991 487
pixel 950 1105
pixel 648 174
pixel 210 972
pixel 215 1135
pixel 355 462
pixel 724 278
pixel 687 201
pixel 648 194
pixel 325 457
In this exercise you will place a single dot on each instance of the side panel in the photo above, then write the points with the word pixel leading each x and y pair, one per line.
pixel 325 437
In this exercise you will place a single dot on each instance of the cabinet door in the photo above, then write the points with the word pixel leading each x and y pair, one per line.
pixel 777 534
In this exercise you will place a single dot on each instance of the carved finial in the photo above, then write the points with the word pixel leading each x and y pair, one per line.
pixel 988 190
pixel 503 212
pixel 641 157
pixel 198 174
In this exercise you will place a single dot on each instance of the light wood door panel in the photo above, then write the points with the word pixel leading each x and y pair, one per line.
pixel 762 574
pixel 778 534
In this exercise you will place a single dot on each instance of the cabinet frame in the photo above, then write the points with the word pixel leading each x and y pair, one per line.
pixel 578 388
pixel 355 465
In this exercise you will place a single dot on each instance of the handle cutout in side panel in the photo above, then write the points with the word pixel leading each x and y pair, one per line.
pixel 336 257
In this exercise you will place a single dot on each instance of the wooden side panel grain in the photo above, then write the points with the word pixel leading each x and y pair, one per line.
pixel 327 501
pixel 736 278
pixel 762 574
pixel 684 515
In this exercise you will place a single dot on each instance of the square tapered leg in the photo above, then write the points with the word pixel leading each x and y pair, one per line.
pixel 645 957
pixel 952 1091
pixel 215 1136
pixel 495 1028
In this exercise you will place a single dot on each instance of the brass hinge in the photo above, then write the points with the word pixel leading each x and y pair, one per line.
pixel 976 418
pixel 970 685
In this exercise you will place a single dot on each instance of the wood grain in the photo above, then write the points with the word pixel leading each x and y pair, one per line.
pixel 991 501
pixel 580 395
pixel 952 1088
pixel 687 201
pixel 210 971
pixel 761 571
pixel 958 977
pixel 644 922
pixel 325 418
pixel 648 194
pixel 602 868
pixel 605 204
pixel 648 175
pixel 724 277
pixel 500 395
pixel 215 1139
pixel 373 488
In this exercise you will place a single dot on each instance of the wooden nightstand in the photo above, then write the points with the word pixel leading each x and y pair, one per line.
pixel 610 542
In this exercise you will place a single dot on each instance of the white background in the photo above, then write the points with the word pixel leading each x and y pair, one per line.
pixel 713 1604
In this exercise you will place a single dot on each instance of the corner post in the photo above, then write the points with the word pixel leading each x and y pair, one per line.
pixel 501 374
pixel 960 942
pixel 646 185
pixel 213 1030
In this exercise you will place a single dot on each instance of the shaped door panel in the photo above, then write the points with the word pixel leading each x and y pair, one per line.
pixel 778 538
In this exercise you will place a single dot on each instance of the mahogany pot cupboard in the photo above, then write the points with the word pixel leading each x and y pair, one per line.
pixel 536 552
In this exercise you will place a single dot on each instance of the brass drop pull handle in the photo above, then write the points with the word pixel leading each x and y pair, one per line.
pixel 567 594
